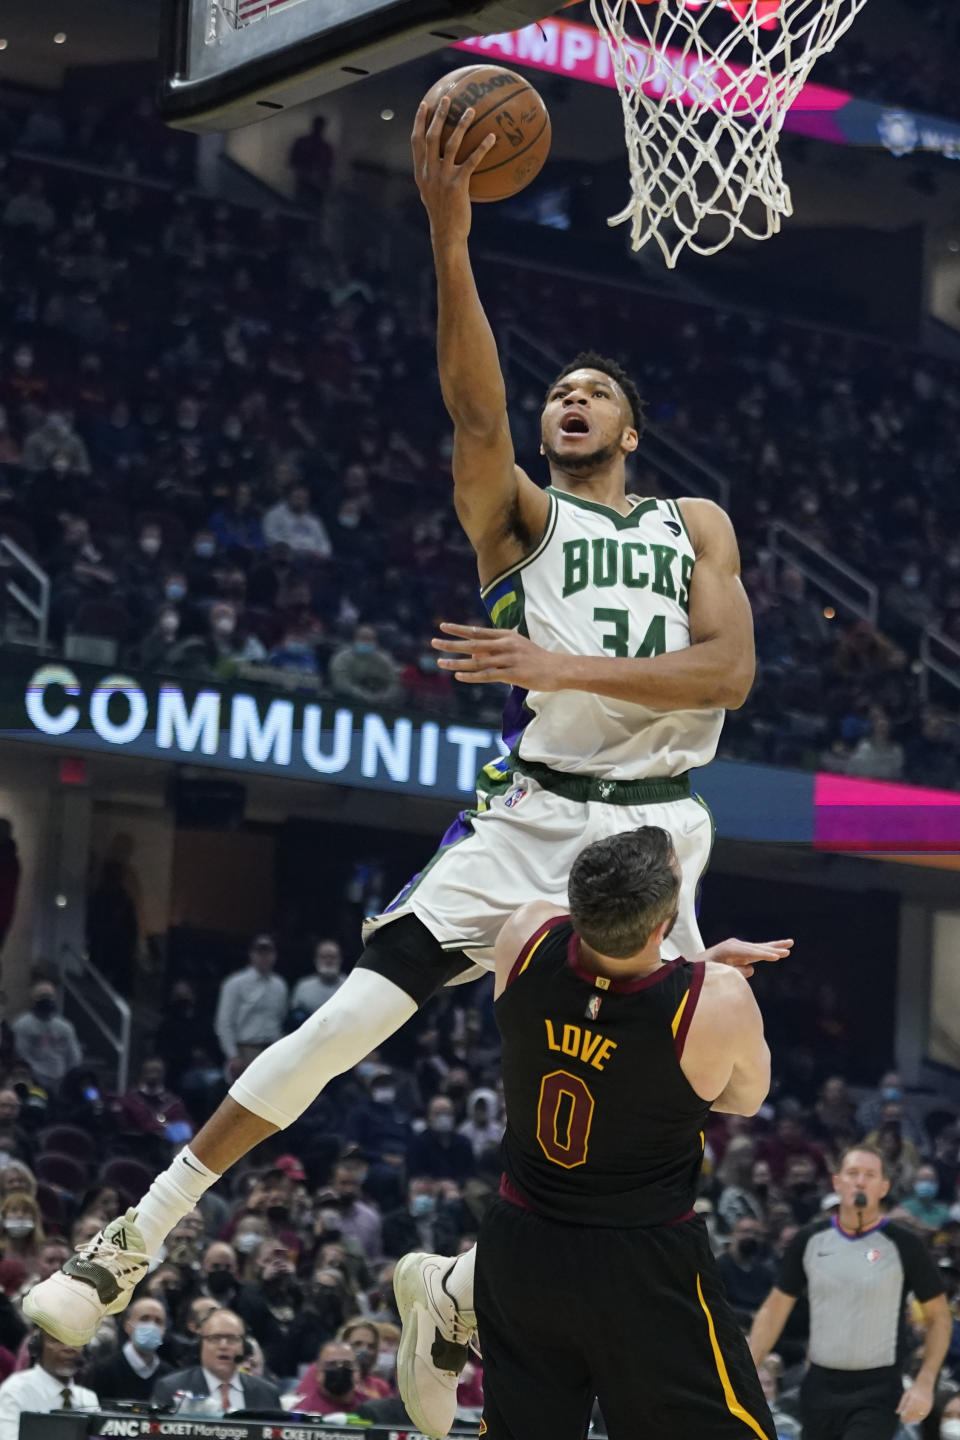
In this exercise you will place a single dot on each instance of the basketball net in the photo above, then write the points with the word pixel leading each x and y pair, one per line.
pixel 703 118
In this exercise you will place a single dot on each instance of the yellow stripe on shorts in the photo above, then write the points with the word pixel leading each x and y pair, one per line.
pixel 733 1404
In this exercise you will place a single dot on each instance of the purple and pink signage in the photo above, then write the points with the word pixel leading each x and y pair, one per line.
pixel 564 47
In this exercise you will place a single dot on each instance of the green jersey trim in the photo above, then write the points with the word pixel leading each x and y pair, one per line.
pixel 686 529
pixel 486 591
pixel 622 522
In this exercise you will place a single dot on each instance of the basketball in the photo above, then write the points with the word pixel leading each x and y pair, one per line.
pixel 508 107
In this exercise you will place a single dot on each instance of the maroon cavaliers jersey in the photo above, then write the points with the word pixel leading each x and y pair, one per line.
pixel 603 1126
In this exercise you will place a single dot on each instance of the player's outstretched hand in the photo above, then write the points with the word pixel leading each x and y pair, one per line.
pixel 443 184
pixel 498 656
pixel 743 955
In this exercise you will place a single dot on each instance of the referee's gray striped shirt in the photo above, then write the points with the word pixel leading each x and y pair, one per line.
pixel 857 1288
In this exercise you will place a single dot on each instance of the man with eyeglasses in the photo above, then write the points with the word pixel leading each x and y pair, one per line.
pixel 218 1376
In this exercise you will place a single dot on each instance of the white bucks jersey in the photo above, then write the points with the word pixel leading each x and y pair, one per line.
pixel 601 583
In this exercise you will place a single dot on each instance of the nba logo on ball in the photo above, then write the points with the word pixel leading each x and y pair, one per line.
pixel 873 1256
pixel 515 797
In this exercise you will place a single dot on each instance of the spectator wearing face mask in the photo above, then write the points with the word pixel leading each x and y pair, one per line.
pixel 925 1210
pixel 219 1273
pixel 202 564
pixel 45 1040
pixel 226 646
pixel 164 649
pixel 413 1227
pixel 271 1306
pixel 438 1150
pixel 484 1124
pixel 362 672
pixel 363 1337
pixel 870 1115
pixel 745 1269
pixel 131 1372
pixel 315 990
pixel 358 1220
pixel 22 1227
pixel 143 573
pixel 378 1124
pixel 331 1385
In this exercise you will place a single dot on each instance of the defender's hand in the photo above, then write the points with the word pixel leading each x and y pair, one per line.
pixel 443 184
pixel 743 955
pixel 503 657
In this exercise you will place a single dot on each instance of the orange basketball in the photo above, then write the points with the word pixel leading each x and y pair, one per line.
pixel 510 108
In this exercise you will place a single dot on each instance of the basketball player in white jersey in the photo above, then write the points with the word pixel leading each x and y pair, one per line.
pixel 625 623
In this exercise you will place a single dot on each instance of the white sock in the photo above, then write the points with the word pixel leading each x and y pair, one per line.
pixel 459 1282
pixel 172 1195
pixel 281 1082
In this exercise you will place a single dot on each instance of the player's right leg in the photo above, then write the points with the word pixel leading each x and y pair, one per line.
pixel 533 1317
pixel 401 967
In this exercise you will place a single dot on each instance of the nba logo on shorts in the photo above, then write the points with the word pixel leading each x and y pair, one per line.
pixel 873 1256
pixel 593 1007
pixel 515 797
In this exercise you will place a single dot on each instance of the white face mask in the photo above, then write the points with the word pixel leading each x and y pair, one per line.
pixel 18 1226
pixel 247 1243
pixel 950 1429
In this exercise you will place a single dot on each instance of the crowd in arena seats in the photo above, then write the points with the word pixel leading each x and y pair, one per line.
pixel 280 1281
pixel 224 440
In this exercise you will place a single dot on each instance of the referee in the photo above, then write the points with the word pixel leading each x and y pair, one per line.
pixel 858 1269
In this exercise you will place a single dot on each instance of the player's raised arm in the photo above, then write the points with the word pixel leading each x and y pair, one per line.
pixel 499 507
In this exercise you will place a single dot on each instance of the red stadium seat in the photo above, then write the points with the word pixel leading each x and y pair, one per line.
pixel 64 1172
pixel 68 1140
pixel 127 1175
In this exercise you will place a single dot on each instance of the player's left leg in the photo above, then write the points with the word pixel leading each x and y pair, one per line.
pixel 668 1348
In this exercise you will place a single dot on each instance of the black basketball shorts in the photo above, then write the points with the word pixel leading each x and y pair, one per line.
pixel 634 1317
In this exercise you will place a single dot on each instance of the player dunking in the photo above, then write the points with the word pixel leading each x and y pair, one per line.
pixel 625 632
pixel 593 1275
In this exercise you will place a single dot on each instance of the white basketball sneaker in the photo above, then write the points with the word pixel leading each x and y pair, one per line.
pixel 98 1280
pixel 434 1346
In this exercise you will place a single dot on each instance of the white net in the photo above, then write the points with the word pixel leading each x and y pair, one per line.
pixel 705 86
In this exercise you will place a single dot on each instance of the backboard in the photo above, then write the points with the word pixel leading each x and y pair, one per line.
pixel 226 63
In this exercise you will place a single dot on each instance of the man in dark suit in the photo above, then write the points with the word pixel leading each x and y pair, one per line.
pixel 131 1372
pixel 221 1347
